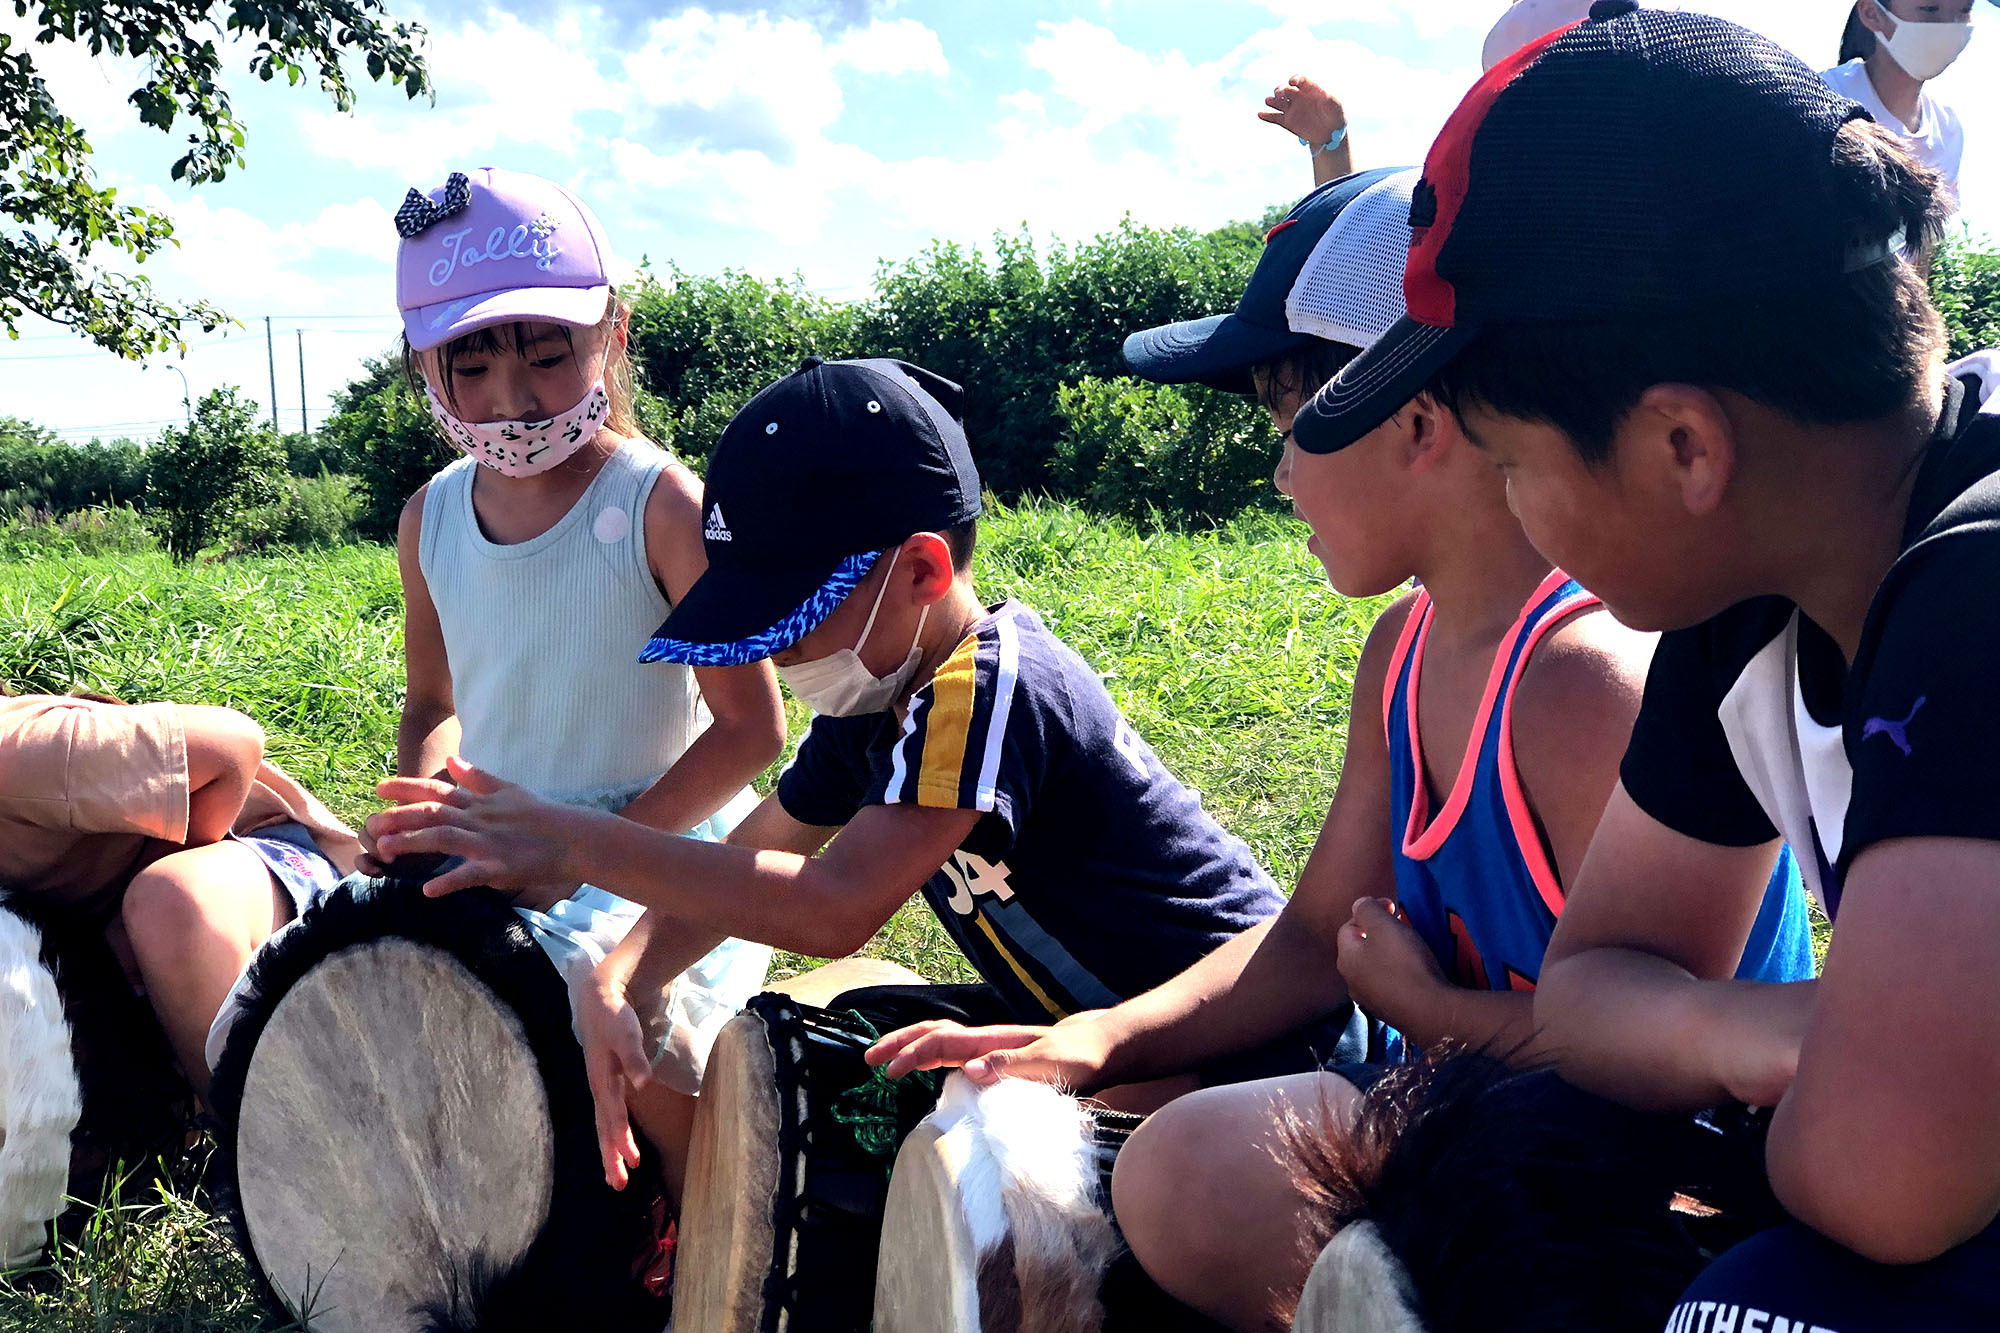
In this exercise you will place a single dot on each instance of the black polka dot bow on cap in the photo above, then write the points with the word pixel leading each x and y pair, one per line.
pixel 418 213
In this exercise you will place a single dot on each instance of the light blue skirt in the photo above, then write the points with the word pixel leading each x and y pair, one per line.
pixel 578 932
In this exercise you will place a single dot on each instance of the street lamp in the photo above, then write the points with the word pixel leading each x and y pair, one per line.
pixel 187 393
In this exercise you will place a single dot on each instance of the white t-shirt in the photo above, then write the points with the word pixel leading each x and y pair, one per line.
pixel 1938 140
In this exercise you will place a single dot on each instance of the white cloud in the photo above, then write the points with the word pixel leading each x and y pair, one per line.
pixel 231 257
pixel 897 46
pixel 1432 19
pixel 364 227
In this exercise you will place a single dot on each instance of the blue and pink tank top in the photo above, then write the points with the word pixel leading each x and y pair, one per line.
pixel 1474 876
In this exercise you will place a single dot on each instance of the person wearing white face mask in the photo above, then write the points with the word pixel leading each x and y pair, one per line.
pixel 959 750
pixel 1889 51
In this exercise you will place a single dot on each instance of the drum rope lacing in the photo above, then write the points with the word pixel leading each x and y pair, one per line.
pixel 867 1112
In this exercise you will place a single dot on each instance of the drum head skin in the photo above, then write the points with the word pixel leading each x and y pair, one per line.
pixel 927 1280
pixel 726 1227
pixel 460 1084
pixel 408 1141
pixel 1357 1286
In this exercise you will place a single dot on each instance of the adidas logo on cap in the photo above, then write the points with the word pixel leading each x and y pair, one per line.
pixel 716 530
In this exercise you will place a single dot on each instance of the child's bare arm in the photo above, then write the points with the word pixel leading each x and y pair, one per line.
pixel 827 905
pixel 1886 1140
pixel 1635 999
pixel 427 732
pixel 748 730
pixel 1265 982
pixel 659 948
pixel 223 750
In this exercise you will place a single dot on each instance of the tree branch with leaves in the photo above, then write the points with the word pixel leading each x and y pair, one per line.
pixel 55 218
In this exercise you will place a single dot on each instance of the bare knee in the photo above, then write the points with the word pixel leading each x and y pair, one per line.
pixel 163 907
pixel 220 892
pixel 1165 1190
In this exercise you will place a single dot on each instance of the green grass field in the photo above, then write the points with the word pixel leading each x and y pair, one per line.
pixel 1227 651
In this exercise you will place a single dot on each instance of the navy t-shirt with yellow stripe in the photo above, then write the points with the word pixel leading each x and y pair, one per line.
pixel 1094 875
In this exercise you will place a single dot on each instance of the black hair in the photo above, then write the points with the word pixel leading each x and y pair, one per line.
pixel 620 382
pixel 1301 372
pixel 1512 1200
pixel 961 538
pixel 1857 39
pixel 1855 348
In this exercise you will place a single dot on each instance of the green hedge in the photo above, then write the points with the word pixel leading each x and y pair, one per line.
pixel 1033 332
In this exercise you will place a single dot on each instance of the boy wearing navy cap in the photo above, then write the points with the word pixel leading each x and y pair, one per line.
pixel 958 749
pixel 1674 287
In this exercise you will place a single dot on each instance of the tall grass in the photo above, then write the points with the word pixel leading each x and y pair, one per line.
pixel 1225 649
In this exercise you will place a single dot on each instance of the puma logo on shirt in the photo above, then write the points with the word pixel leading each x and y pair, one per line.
pixel 1893 730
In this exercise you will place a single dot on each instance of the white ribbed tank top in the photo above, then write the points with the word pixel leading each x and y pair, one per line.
pixel 543 638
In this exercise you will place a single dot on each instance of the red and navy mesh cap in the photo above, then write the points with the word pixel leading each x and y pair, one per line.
pixel 1639 162
pixel 1220 350
pixel 818 475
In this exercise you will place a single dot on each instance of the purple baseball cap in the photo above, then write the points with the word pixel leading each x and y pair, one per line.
pixel 494 246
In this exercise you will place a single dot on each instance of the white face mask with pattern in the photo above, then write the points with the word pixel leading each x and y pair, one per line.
pixel 524 448
pixel 841 685
pixel 1924 50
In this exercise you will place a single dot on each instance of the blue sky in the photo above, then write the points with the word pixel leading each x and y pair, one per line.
pixel 808 138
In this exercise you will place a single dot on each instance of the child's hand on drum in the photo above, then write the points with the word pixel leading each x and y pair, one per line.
pixel 508 838
pixel 1071 1055
pixel 614 1055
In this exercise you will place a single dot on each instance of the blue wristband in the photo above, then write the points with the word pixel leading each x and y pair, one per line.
pixel 1339 137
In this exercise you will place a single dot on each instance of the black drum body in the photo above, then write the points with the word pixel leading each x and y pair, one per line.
pixel 789 1169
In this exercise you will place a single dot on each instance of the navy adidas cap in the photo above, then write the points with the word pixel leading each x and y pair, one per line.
pixel 1638 162
pixel 818 475
pixel 1220 350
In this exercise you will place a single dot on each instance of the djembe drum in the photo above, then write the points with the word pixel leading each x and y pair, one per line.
pixel 408 1137
pixel 794 1136
pixel 88 1084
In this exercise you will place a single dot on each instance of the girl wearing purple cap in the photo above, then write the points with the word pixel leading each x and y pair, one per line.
pixel 535 568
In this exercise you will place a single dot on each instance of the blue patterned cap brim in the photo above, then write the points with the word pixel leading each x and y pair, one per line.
pixel 802 621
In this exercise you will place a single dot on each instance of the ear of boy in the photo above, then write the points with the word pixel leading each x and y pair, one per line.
pixel 1685 438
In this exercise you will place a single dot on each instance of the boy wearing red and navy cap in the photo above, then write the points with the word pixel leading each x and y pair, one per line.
pixel 1674 286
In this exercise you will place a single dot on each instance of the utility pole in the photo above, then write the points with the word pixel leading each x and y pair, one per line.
pixel 271 354
pixel 304 429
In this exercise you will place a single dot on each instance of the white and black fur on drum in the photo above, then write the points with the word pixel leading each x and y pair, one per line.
pixel 408 1140
pixel 995 1221
pixel 99 1042
pixel 40 1099
pixel 999 1221
pixel 1471 1196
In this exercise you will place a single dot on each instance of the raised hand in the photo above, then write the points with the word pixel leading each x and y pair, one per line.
pixel 1306 109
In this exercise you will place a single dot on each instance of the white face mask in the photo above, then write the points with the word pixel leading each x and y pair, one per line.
pixel 524 448
pixel 1925 50
pixel 841 685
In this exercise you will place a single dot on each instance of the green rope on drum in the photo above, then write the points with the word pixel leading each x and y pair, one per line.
pixel 880 1110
